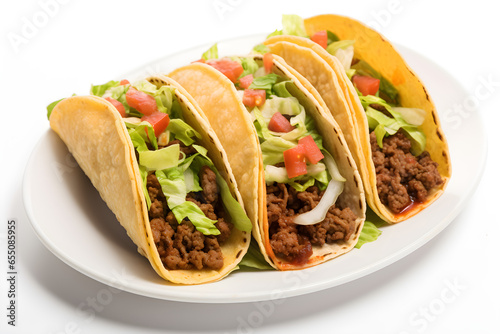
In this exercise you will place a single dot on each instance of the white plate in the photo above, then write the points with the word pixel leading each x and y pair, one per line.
pixel 73 222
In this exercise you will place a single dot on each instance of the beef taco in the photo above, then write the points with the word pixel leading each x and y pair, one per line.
pixel 162 171
pixel 388 118
pixel 309 202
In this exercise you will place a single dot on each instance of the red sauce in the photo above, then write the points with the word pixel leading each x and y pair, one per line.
pixel 304 254
pixel 408 208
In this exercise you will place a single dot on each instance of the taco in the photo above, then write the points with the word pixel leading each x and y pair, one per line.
pixel 388 118
pixel 162 171
pixel 309 203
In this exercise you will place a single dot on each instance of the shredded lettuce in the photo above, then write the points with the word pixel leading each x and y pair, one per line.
pixel 265 82
pixel 332 37
pixel 172 185
pixel 144 176
pixel 281 90
pixel 51 107
pixel 370 231
pixel 142 134
pixel 261 48
pixel 344 44
pixel 164 98
pixel 238 216
pixel 249 65
pixel 100 90
pixel 254 258
pixel 176 182
pixel 384 125
pixel 211 53
pixel 183 131
pixel 275 33
pixel 293 25
pixel 160 159
pixel 193 212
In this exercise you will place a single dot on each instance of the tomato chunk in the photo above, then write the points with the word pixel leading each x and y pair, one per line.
pixel 268 62
pixel 365 84
pixel 320 37
pixel 295 162
pixel 158 120
pixel 124 82
pixel 311 150
pixel 230 68
pixel 254 97
pixel 246 81
pixel 141 101
pixel 201 60
pixel 118 105
pixel 279 123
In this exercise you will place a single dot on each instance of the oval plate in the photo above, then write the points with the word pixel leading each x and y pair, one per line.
pixel 73 222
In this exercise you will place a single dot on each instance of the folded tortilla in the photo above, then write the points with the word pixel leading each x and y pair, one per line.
pixel 96 135
pixel 331 84
pixel 230 119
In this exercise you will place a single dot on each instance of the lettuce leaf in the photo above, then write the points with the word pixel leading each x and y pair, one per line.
pixel 249 65
pixel 261 48
pixel 293 25
pixel 99 90
pixel 370 231
pixel 192 212
pixel 211 53
pixel 384 125
pixel 163 158
pixel 51 107
pixel 265 82
pixel 254 258
pixel 183 131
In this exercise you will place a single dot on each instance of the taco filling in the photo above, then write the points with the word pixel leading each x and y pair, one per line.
pixel 187 199
pixel 405 172
pixel 302 178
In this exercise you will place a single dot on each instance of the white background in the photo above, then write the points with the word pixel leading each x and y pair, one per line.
pixel 84 42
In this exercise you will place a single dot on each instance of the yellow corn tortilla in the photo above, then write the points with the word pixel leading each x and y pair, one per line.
pixel 96 135
pixel 229 118
pixel 331 84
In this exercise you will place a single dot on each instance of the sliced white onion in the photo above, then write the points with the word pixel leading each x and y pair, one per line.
pixel 331 165
pixel 318 214
pixel 413 116
pixel 332 192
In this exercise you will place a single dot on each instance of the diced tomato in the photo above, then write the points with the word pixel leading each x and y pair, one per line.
pixel 311 150
pixel 268 62
pixel 321 37
pixel 246 81
pixel 279 123
pixel 254 97
pixel 295 161
pixel 201 60
pixel 118 105
pixel 230 68
pixel 124 82
pixel 159 120
pixel 141 101
pixel 365 84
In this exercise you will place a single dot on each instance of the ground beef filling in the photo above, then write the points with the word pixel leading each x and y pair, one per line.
pixel 294 242
pixel 402 178
pixel 181 246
